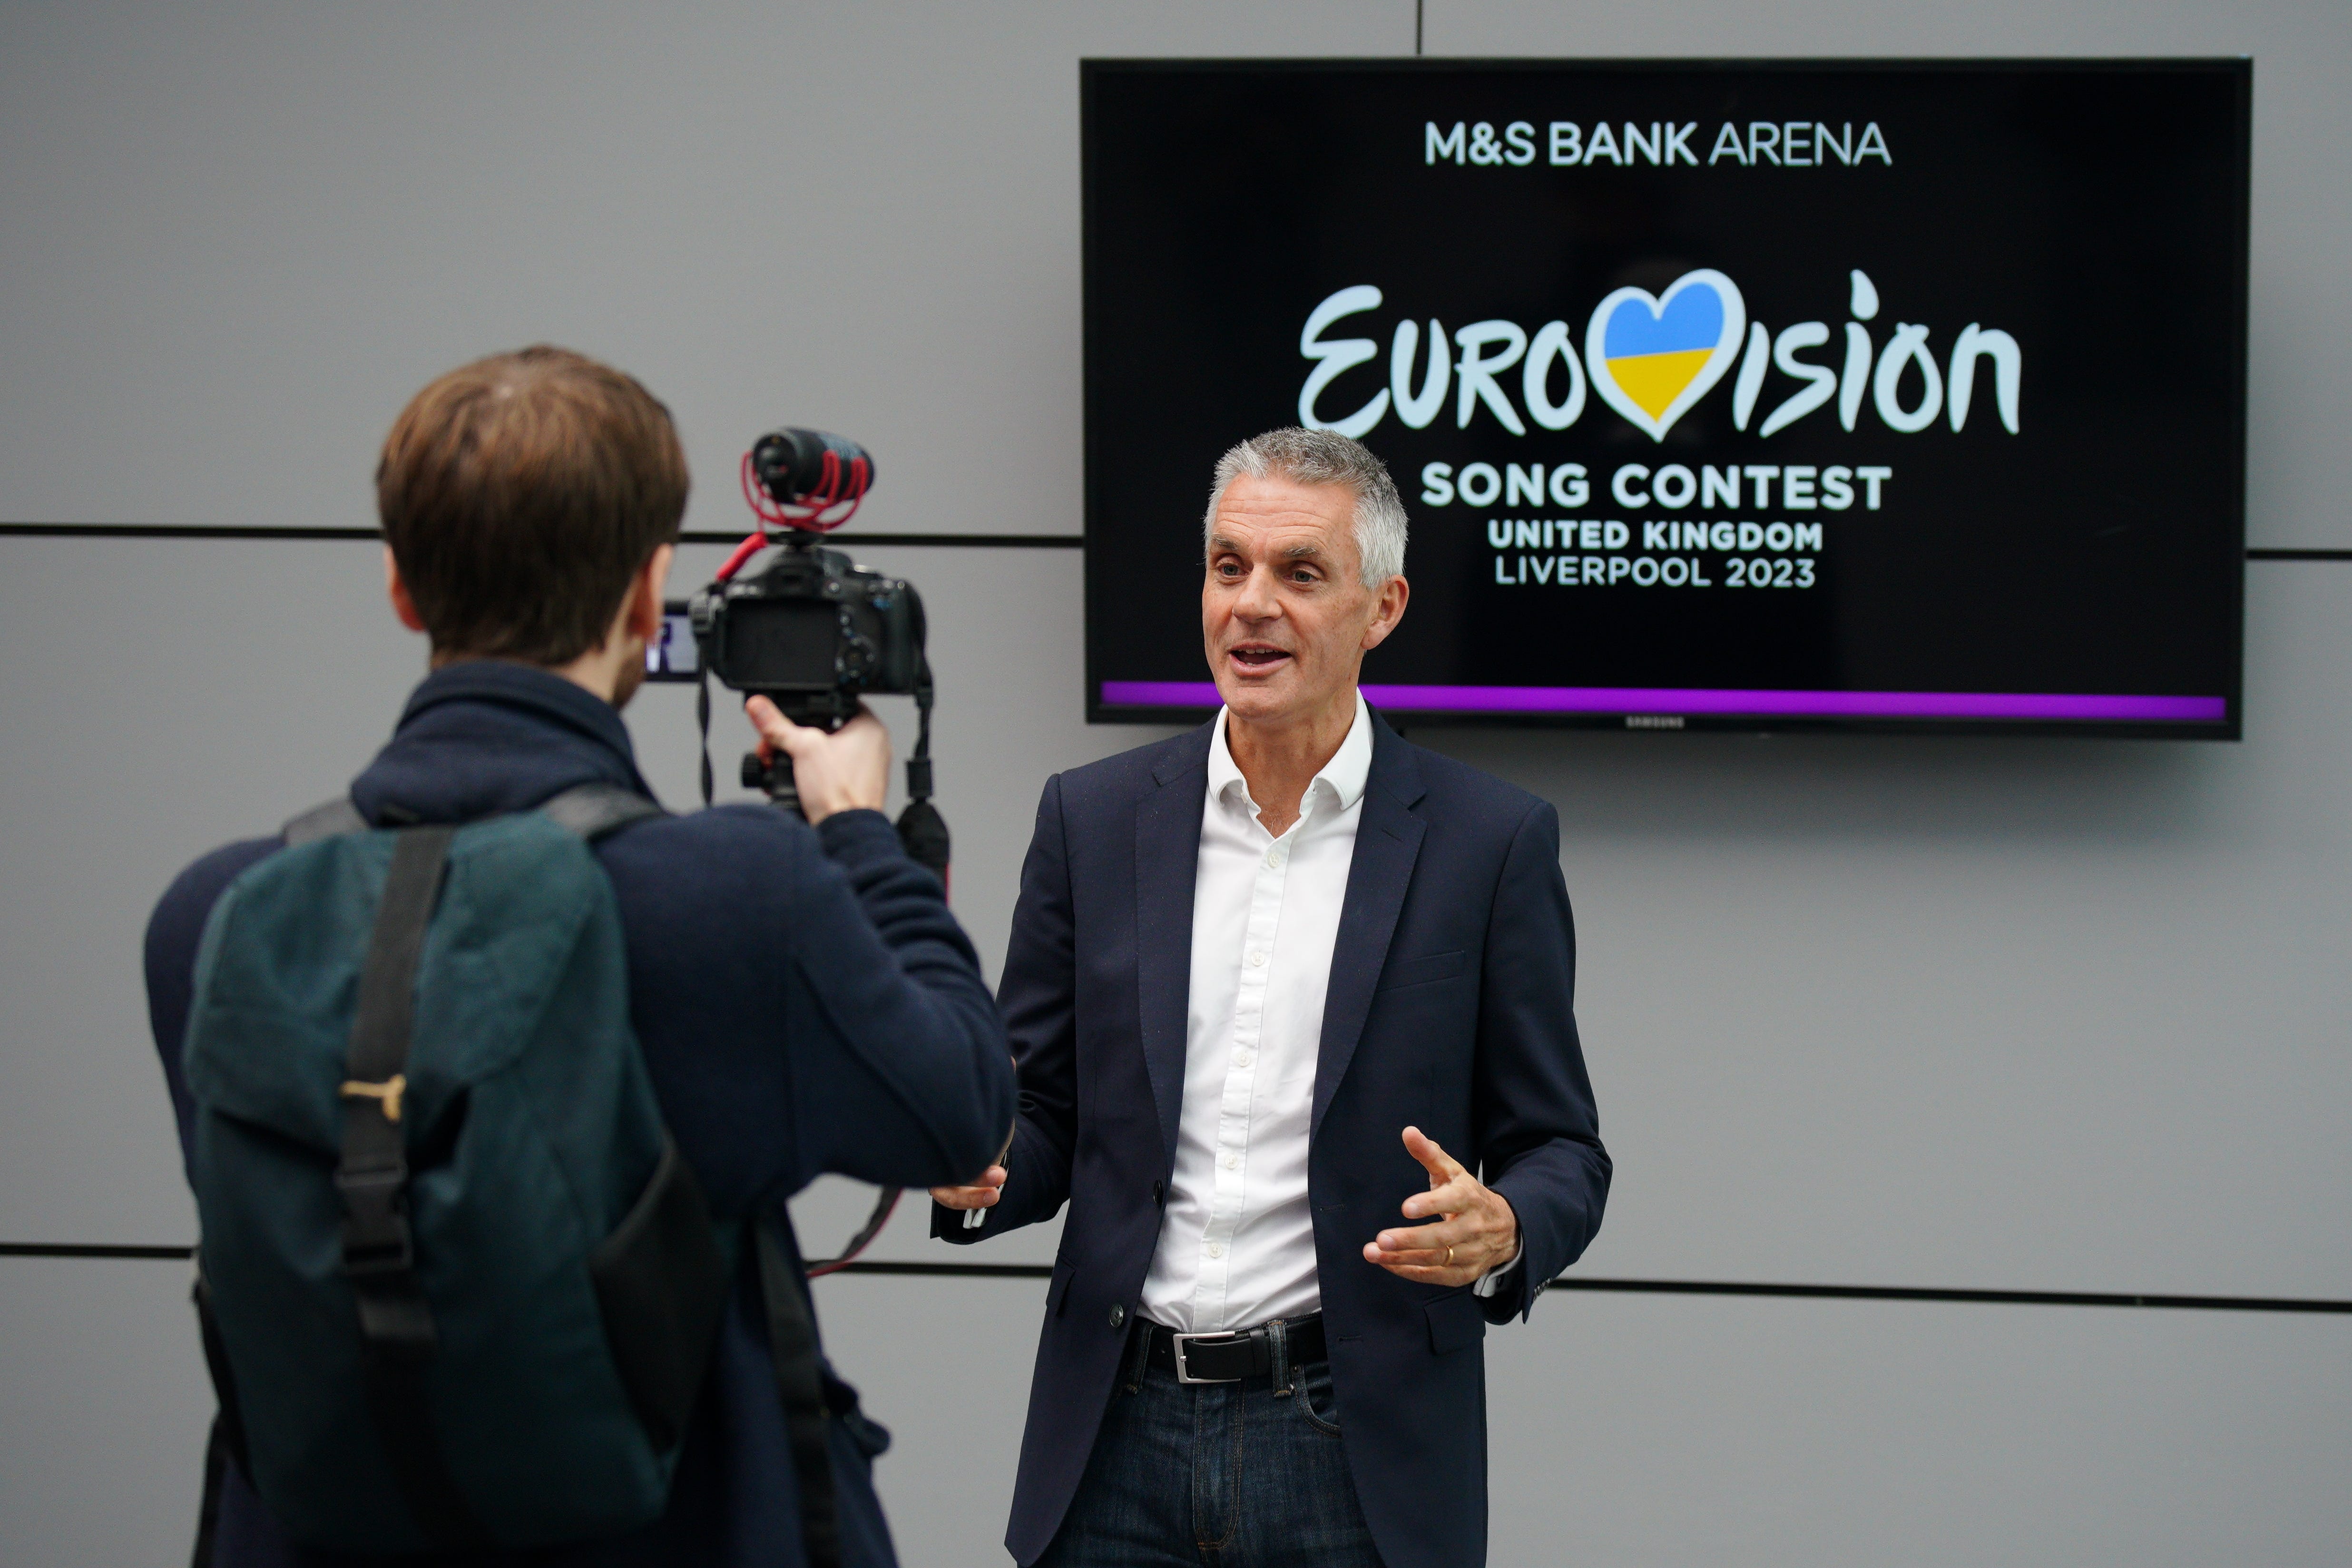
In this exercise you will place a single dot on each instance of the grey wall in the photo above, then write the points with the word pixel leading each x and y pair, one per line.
pixel 2033 1015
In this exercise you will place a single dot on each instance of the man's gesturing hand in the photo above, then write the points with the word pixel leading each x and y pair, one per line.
pixel 980 1195
pixel 1478 1233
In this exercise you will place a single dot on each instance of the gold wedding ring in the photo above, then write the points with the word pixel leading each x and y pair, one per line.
pixel 1449 1257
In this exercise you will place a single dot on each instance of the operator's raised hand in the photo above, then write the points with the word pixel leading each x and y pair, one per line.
pixel 1479 1232
pixel 849 770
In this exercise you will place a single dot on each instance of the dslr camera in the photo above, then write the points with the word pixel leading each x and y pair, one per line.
pixel 807 627
pixel 810 630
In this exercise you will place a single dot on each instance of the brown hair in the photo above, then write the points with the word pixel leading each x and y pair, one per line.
pixel 520 494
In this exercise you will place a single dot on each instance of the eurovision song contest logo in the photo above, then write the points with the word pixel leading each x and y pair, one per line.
pixel 1651 358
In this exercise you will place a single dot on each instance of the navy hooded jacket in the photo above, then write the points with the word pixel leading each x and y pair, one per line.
pixel 805 1004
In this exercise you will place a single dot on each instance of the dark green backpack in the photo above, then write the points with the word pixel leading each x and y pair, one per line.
pixel 458 1286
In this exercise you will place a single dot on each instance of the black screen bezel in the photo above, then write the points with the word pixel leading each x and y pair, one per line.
pixel 1094 74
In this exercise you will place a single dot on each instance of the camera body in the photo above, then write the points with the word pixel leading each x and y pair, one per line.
pixel 813 632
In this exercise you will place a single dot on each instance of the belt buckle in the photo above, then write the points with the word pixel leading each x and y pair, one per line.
pixel 1181 1341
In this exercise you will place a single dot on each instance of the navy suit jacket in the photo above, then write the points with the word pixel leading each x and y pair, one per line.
pixel 1450 1008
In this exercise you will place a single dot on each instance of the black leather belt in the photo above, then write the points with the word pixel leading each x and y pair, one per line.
pixel 1231 1357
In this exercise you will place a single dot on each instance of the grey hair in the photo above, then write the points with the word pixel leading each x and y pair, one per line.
pixel 1325 458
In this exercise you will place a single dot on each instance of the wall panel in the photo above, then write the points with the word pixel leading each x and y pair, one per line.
pixel 2016 1014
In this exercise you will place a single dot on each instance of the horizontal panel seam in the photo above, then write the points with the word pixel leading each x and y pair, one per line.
pixel 936 540
pixel 1564 1282
pixel 370 535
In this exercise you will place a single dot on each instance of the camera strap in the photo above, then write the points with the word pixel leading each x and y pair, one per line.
pixel 702 721
pixel 918 765
pixel 922 829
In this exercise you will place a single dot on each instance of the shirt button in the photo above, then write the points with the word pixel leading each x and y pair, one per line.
pixel 1118 1314
pixel 1242 1059
pixel 1257 957
pixel 1233 1161
pixel 1216 1249
pixel 1273 859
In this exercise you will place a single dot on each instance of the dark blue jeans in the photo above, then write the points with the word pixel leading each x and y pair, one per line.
pixel 1222 1474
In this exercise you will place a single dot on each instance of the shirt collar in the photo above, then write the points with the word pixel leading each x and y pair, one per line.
pixel 1343 777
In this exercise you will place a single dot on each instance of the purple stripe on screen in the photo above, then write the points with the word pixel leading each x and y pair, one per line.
pixel 2048 706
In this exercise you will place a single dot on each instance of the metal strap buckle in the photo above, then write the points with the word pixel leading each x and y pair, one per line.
pixel 1183 1374
pixel 386 1094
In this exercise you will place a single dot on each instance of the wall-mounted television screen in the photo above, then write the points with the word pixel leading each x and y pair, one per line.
pixel 1892 396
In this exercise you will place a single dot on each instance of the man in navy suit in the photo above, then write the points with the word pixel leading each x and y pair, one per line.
pixel 1292 1002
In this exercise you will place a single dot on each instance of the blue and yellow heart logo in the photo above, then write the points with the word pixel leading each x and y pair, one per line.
pixel 1652 357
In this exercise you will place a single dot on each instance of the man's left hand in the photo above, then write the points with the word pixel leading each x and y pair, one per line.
pixel 1479 1232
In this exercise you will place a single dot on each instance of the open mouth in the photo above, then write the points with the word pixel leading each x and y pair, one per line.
pixel 1257 656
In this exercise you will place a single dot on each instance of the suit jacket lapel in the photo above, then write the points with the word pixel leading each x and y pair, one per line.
pixel 1167 865
pixel 1388 842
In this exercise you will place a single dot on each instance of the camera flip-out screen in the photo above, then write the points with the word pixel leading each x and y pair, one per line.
pixel 1901 395
pixel 672 655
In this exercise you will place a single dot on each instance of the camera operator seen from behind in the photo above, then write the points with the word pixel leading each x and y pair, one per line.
pixel 492 1079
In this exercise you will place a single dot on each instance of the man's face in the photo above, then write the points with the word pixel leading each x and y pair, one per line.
pixel 1285 616
pixel 629 679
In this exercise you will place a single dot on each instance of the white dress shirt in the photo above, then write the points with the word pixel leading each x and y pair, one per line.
pixel 1237 1242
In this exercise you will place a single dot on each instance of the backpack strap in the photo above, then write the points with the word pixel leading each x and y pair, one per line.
pixel 332 820
pixel 379 1251
pixel 595 810
pixel 808 1421
pixel 590 810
